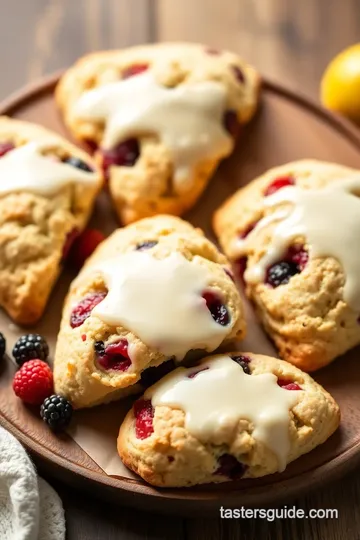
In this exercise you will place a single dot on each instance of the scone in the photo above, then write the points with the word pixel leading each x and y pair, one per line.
pixel 233 416
pixel 149 294
pixel 47 191
pixel 160 117
pixel 293 234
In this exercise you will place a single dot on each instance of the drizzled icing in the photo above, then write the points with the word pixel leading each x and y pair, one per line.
pixel 329 219
pixel 159 300
pixel 217 398
pixel 26 169
pixel 188 118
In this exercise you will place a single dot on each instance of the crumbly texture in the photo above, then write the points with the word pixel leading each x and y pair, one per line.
pixel 34 229
pixel 77 374
pixel 146 188
pixel 307 318
pixel 172 457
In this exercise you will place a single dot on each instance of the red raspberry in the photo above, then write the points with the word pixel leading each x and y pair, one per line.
pixel 288 384
pixel 279 183
pixel 33 382
pixel 84 245
pixel 134 69
pixel 144 414
pixel 84 308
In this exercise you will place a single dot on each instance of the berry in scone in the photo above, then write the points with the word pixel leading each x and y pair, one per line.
pixel 151 293
pixel 235 415
pixel 160 118
pixel 47 191
pixel 293 235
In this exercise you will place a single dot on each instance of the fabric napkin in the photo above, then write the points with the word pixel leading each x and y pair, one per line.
pixel 29 508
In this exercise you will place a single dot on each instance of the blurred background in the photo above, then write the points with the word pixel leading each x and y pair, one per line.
pixel 290 41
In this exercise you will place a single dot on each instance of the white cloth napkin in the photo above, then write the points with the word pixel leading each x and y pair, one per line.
pixel 29 508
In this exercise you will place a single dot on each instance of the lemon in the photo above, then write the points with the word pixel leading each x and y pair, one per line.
pixel 340 84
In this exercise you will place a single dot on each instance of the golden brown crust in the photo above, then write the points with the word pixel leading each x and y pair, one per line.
pixel 146 189
pixel 171 456
pixel 34 229
pixel 307 318
pixel 76 374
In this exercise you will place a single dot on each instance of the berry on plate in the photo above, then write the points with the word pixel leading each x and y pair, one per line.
pixel 56 411
pixel 28 347
pixel 33 382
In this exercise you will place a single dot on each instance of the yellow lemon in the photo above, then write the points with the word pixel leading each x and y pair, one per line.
pixel 340 84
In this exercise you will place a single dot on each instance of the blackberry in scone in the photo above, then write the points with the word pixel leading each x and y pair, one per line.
pixel 292 234
pixel 235 415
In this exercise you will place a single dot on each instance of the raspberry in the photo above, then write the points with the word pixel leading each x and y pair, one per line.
pixel 28 347
pixel 113 356
pixel 146 245
pixel 33 382
pixel 124 154
pixel 56 411
pixel 5 147
pixel 240 267
pixel 298 255
pixel 2 345
pixel 279 183
pixel 144 414
pixel 84 308
pixel 78 163
pixel 243 361
pixel 288 384
pixel 135 69
pixel 69 240
pixel 84 245
pixel 229 466
pixel 195 373
pixel 217 309
pixel 231 123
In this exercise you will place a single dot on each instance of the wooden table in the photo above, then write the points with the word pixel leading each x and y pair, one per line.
pixel 289 41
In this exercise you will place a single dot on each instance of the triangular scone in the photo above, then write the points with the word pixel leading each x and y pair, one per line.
pixel 150 293
pixel 47 191
pixel 293 233
pixel 236 415
pixel 161 117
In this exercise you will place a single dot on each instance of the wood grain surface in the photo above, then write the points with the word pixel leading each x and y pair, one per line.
pixel 289 41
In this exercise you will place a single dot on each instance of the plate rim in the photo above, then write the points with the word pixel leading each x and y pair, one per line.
pixel 287 488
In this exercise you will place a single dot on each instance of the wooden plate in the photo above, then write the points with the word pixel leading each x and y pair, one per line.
pixel 287 127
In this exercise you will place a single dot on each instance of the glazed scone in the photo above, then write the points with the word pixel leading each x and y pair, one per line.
pixel 149 294
pixel 47 191
pixel 160 117
pixel 295 230
pixel 236 415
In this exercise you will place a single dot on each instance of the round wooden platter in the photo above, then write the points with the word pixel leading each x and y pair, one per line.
pixel 287 127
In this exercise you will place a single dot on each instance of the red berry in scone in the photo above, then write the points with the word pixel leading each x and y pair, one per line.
pixel 33 382
pixel 84 245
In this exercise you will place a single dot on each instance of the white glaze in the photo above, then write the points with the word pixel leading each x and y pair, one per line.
pixel 187 119
pixel 215 400
pixel 160 301
pixel 26 169
pixel 328 218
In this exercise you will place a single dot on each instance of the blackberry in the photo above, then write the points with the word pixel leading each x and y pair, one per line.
pixel 243 361
pixel 2 345
pixel 146 245
pixel 281 273
pixel 78 163
pixel 29 347
pixel 56 411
